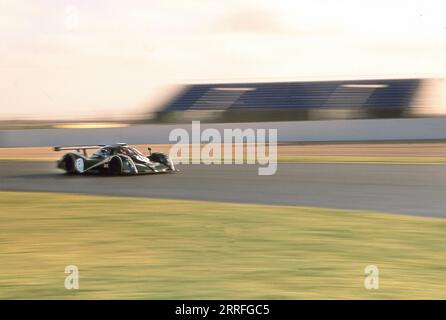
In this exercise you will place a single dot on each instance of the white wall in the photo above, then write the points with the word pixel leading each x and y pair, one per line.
pixel 298 131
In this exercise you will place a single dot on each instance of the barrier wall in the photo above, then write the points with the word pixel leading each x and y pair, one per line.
pixel 295 131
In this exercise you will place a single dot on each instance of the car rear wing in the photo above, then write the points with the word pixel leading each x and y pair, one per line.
pixel 79 148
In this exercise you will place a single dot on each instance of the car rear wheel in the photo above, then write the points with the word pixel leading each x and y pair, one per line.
pixel 69 164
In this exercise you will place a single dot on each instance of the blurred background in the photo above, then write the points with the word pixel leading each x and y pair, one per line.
pixel 170 61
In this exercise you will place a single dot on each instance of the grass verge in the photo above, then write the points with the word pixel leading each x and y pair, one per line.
pixel 153 249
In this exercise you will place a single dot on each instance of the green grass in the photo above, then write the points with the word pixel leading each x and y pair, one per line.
pixel 152 249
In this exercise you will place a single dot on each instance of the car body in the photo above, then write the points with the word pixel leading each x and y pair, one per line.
pixel 113 159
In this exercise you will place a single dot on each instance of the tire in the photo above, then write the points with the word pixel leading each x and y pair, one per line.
pixel 160 158
pixel 163 159
pixel 73 164
pixel 115 166
pixel 69 165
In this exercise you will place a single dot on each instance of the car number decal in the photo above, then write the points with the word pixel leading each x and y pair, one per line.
pixel 79 165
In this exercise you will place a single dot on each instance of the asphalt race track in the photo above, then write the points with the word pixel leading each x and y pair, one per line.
pixel 409 189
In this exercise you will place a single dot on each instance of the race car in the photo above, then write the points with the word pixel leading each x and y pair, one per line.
pixel 114 159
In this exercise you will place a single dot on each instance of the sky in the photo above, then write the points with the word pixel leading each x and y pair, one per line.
pixel 119 59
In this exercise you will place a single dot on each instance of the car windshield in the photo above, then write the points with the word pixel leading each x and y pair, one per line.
pixel 132 152
pixel 103 152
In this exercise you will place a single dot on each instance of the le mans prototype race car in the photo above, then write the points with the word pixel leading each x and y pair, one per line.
pixel 114 159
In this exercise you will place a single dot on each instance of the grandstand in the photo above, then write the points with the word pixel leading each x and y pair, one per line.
pixel 282 101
